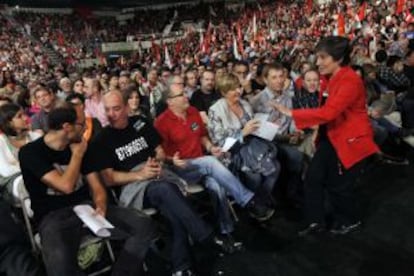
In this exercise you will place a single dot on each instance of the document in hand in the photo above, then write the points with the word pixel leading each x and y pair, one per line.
pixel 267 130
pixel 95 222
pixel 228 144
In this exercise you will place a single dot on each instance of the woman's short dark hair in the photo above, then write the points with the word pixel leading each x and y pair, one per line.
pixel 64 113
pixel 7 112
pixel 73 96
pixel 338 47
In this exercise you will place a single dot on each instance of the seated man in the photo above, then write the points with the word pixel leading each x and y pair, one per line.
pixel 287 137
pixel 55 168
pixel 183 138
pixel 128 154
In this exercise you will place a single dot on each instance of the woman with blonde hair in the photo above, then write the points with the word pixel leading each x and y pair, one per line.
pixel 253 159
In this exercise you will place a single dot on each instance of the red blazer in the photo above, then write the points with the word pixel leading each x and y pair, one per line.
pixel 345 114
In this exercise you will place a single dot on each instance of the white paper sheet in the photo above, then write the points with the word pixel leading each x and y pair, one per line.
pixel 230 141
pixel 267 130
pixel 96 223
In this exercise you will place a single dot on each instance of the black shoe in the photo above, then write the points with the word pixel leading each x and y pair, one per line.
pixel 404 132
pixel 393 160
pixel 186 272
pixel 227 244
pixel 313 228
pixel 259 211
pixel 345 229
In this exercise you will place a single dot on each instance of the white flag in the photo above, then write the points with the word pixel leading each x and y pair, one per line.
pixel 167 59
pixel 235 50
pixel 212 12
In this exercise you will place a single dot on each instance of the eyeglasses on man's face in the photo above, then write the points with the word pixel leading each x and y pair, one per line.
pixel 81 124
pixel 177 96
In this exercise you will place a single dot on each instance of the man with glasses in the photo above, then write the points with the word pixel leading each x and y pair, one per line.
pixel 46 100
pixel 57 168
pixel 184 139
pixel 92 125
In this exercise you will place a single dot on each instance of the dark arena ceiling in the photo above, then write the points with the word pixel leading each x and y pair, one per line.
pixel 90 3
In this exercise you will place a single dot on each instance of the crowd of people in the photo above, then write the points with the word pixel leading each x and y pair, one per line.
pixel 335 81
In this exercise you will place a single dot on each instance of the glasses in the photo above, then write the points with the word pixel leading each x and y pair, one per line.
pixel 82 125
pixel 177 96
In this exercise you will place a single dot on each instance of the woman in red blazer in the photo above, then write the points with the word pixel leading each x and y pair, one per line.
pixel 345 139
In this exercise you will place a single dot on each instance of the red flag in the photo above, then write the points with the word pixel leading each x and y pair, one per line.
pixel 309 6
pixel 239 39
pixel 409 18
pixel 239 32
pixel 155 48
pixel 361 11
pixel 60 39
pixel 341 24
pixel 178 47
pixel 400 6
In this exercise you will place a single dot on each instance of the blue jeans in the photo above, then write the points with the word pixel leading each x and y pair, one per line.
pixel 221 182
pixel 61 232
pixel 184 221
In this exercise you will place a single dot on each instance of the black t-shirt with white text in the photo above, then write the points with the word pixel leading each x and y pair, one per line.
pixel 36 160
pixel 124 149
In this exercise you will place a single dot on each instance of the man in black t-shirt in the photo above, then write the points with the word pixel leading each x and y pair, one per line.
pixel 55 170
pixel 128 154
pixel 206 96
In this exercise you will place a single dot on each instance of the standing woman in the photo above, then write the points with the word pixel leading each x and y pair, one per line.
pixel 345 139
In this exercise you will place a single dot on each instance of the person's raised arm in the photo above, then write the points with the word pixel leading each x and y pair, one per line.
pixel 65 181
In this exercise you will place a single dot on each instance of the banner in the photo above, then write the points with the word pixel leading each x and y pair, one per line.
pixel 120 46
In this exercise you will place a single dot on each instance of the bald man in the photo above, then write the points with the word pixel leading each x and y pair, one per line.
pixel 128 154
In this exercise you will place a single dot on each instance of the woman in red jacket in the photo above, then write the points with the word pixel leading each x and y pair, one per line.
pixel 345 139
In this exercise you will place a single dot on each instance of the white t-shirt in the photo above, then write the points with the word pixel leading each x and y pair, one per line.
pixel 9 162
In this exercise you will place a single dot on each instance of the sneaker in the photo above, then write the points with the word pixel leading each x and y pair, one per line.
pixel 258 211
pixel 345 229
pixel 186 272
pixel 313 228
pixel 227 244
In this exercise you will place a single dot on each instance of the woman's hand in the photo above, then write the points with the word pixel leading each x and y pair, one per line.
pixel 250 127
pixel 282 109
